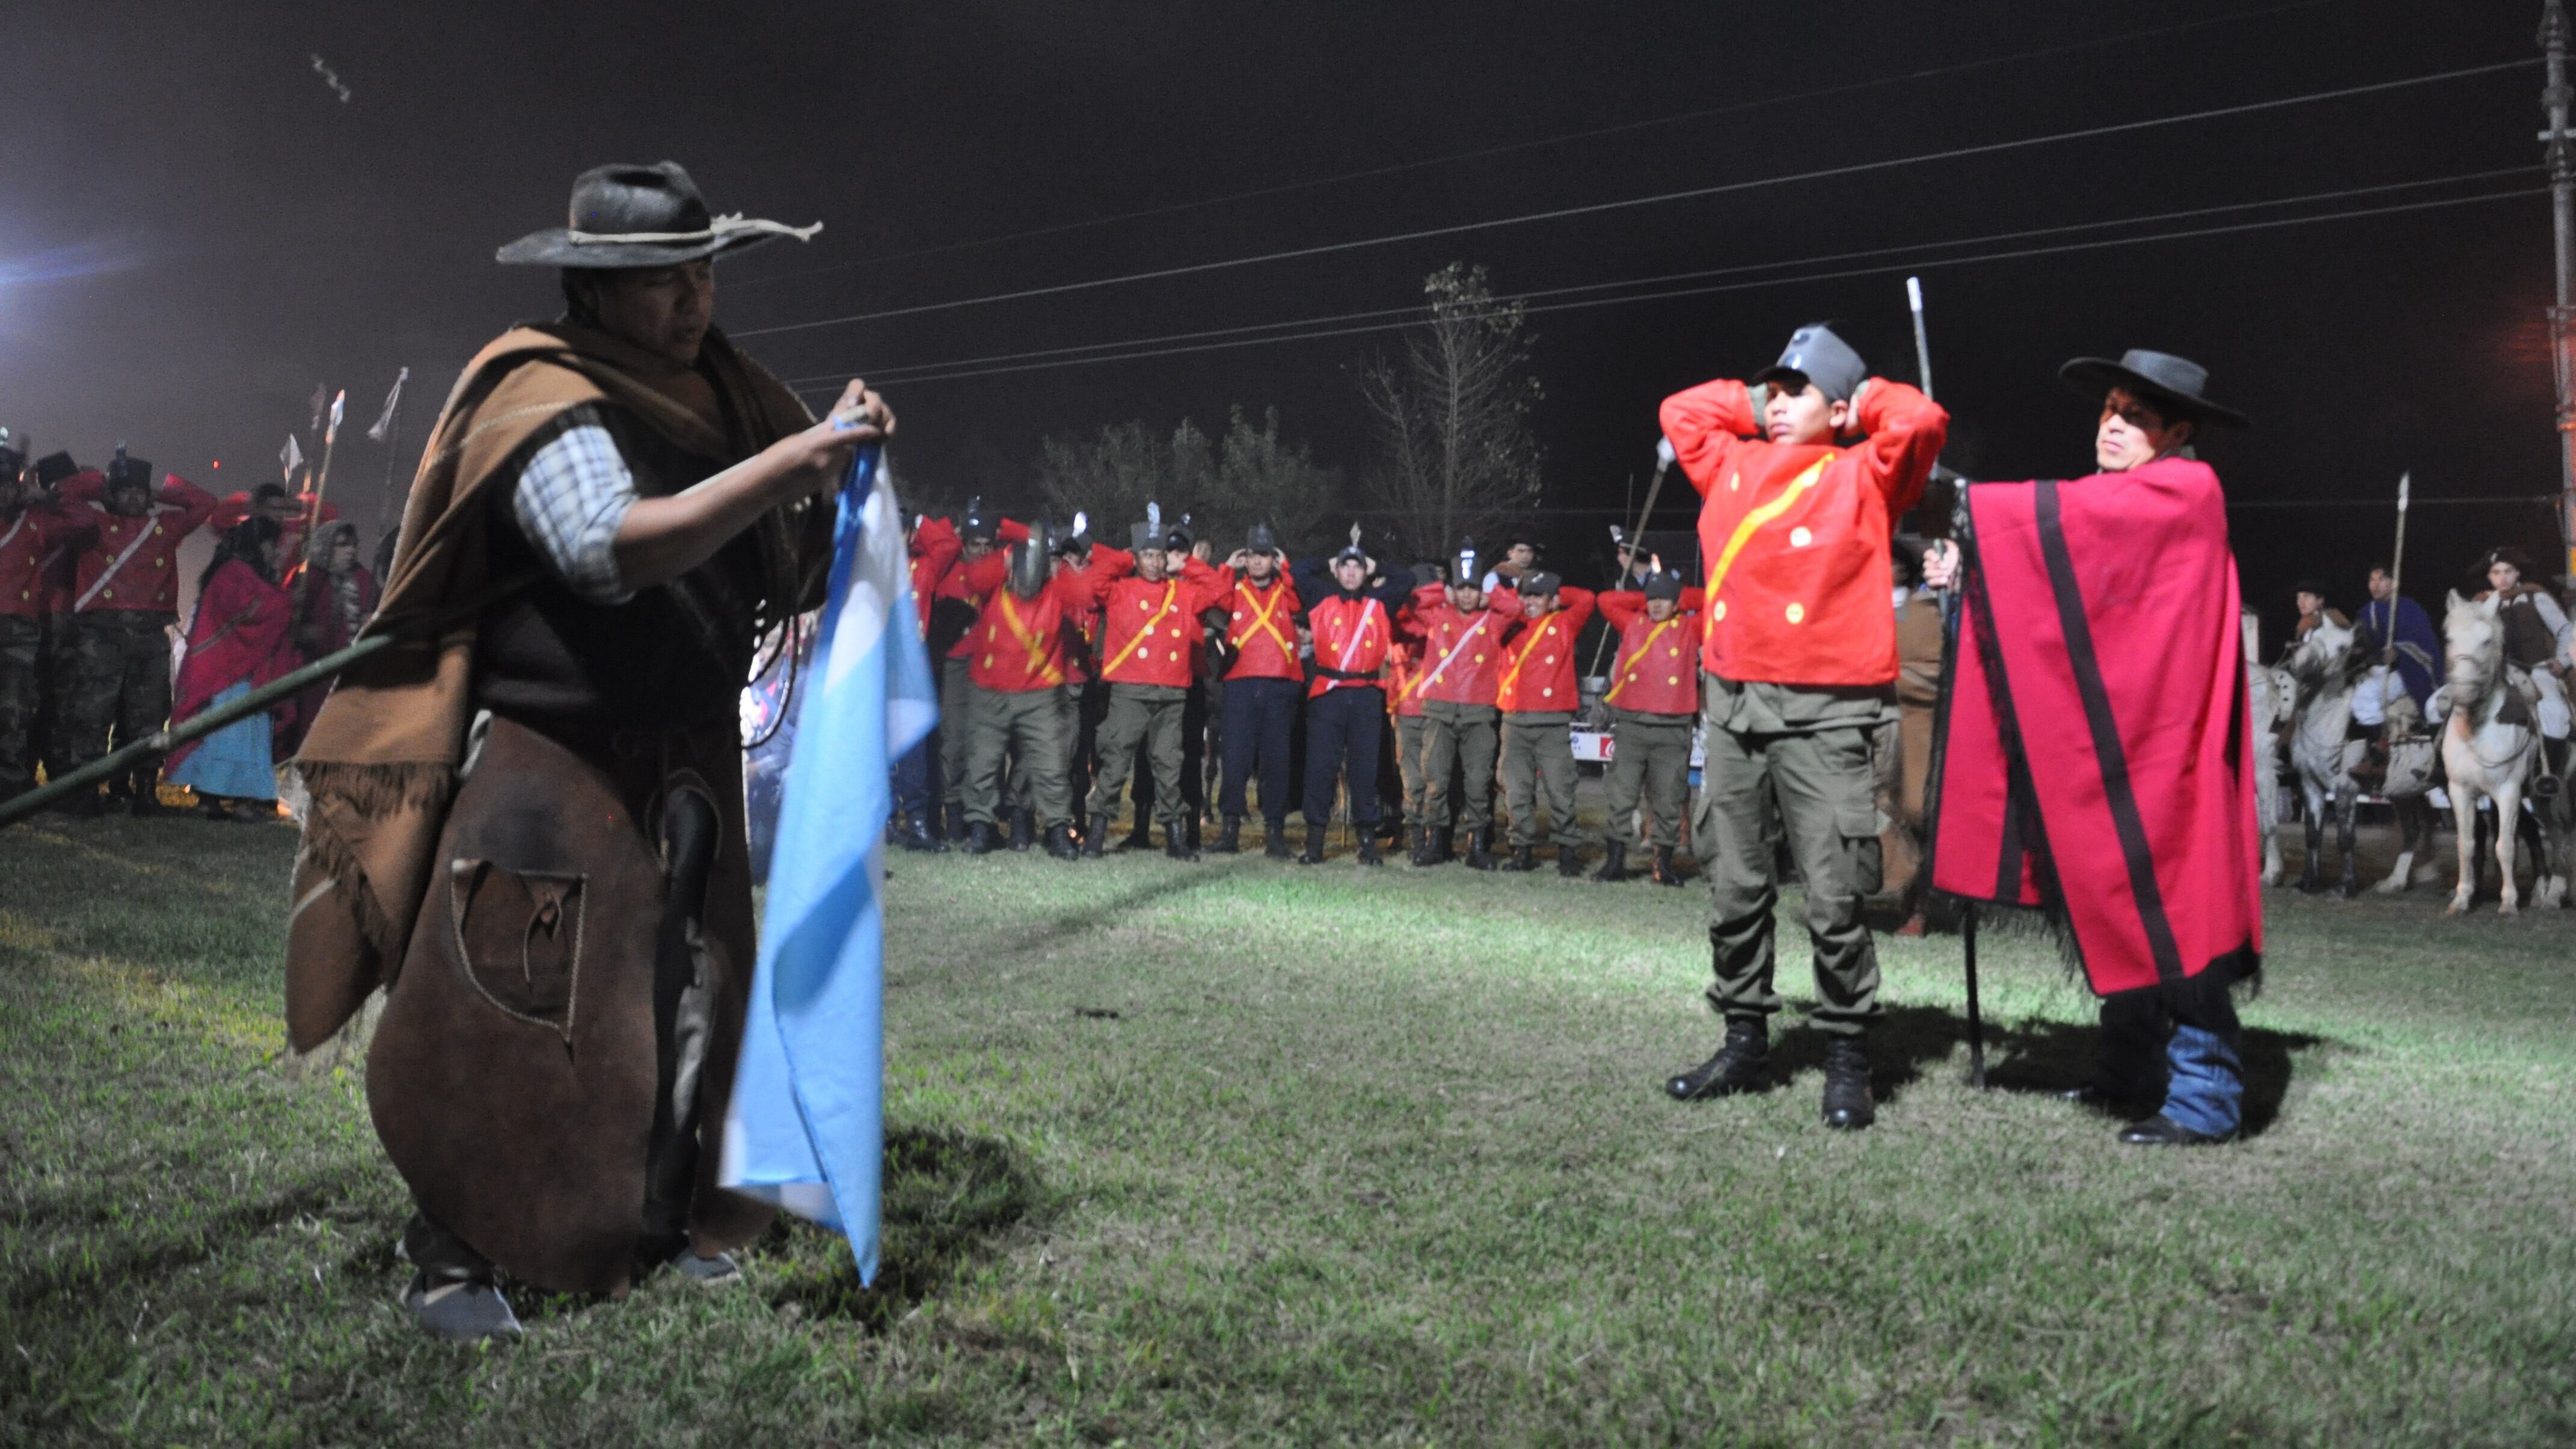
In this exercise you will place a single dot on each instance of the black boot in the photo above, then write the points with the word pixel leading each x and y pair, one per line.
pixel 1666 873
pixel 979 839
pixel 1480 848
pixel 1743 1064
pixel 1847 1101
pixel 1368 848
pixel 1274 836
pixel 1193 828
pixel 1176 843
pixel 1569 861
pixel 1059 842
pixel 957 822
pixel 1229 839
pixel 1614 863
pixel 1524 857
pixel 1443 846
pixel 1314 846
pixel 1142 837
pixel 916 833
pixel 1024 829
pixel 1096 838
pixel 1420 853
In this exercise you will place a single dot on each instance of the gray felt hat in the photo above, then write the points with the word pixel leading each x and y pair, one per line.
pixel 626 216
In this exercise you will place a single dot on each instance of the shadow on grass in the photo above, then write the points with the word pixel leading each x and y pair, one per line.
pixel 949 1201
pixel 2037 1056
pixel 1070 924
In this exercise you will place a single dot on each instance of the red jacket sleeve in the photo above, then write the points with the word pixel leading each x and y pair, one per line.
pixel 231 513
pixel 986 574
pixel 196 505
pixel 1106 566
pixel 86 486
pixel 1693 600
pixel 1706 425
pixel 1010 532
pixel 1619 606
pixel 1576 606
pixel 1208 587
pixel 1905 431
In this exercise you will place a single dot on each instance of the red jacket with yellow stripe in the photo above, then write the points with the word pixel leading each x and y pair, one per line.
pixel 1018 645
pixel 1538 658
pixel 1796 536
pixel 1462 653
pixel 26 540
pixel 1658 668
pixel 1261 627
pixel 1149 633
pixel 952 586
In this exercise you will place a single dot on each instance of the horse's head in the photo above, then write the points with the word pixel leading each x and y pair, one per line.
pixel 2473 645
pixel 2325 656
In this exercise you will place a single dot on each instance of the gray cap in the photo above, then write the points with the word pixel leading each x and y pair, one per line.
pixel 1823 359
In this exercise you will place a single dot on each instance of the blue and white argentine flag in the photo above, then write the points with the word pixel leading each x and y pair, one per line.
pixel 805 1128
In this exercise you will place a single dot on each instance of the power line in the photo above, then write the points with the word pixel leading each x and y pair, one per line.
pixel 896 374
pixel 1897 266
pixel 1661 198
pixel 1513 147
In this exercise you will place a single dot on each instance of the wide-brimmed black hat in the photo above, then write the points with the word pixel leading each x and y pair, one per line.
pixel 2173 383
pixel 2508 554
pixel 627 216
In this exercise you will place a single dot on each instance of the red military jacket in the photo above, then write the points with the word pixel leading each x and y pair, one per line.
pixel 1149 633
pixel 1017 645
pixel 1538 674
pixel 934 549
pixel 131 563
pixel 1796 538
pixel 26 541
pixel 1403 671
pixel 1261 628
pixel 954 586
pixel 1351 639
pixel 1658 668
pixel 1462 654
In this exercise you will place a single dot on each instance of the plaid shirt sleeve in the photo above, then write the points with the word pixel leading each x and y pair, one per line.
pixel 572 494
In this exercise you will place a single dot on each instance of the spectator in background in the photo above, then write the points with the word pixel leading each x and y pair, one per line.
pixel 238 641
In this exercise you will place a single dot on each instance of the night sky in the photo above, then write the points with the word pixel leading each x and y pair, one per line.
pixel 198 229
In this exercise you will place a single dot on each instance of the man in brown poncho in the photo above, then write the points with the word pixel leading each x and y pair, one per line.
pixel 526 819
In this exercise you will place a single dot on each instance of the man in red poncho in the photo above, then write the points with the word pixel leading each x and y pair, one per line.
pixel 2097 757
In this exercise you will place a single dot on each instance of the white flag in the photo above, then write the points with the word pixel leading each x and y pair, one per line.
pixel 337 400
pixel 385 420
pixel 290 458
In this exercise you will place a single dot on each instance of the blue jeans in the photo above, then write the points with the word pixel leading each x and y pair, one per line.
pixel 2181 1044
pixel 916 777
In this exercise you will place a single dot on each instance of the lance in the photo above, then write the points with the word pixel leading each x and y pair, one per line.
pixel 322 670
pixel 2397 565
pixel 1636 542
pixel 1950 598
pixel 313 512
pixel 388 431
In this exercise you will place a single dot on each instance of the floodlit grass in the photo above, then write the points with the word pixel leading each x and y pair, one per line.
pixel 1240 1153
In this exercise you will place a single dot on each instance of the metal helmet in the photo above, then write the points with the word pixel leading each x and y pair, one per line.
pixel 1032 559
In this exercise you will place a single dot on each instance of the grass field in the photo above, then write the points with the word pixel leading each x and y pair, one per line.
pixel 1240 1153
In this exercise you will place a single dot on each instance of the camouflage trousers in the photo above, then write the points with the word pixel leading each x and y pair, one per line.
pixel 21 687
pixel 118 692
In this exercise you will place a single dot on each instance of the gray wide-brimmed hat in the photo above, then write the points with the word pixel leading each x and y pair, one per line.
pixel 626 216
pixel 2173 383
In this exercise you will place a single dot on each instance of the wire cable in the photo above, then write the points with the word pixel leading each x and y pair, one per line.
pixel 1804 277
pixel 895 374
pixel 1540 143
pixel 1562 213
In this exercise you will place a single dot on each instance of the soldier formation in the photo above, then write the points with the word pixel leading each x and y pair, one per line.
pixel 89 614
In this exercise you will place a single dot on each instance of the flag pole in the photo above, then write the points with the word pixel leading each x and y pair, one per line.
pixel 1950 600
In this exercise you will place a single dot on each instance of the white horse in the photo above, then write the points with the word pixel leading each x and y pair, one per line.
pixel 2268 695
pixel 2326 670
pixel 2484 755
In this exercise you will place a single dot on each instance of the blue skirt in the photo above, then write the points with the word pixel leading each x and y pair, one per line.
pixel 233 761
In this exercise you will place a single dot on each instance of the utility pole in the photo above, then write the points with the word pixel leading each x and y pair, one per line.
pixel 2559 145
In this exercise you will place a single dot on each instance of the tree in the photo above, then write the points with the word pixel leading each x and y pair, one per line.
pixel 1453 417
pixel 1225 485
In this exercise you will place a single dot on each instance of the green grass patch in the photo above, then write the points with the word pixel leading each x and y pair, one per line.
pixel 1241 1153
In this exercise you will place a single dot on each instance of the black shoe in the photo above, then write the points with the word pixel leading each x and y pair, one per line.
pixel 1665 873
pixel 1024 829
pixel 1480 846
pixel 1368 849
pixel 1274 836
pixel 1176 844
pixel 2093 1097
pixel 1059 842
pixel 1095 839
pixel 1142 837
pixel 2163 1131
pixel 1420 853
pixel 1444 848
pixel 917 836
pixel 1614 863
pixel 1569 861
pixel 1847 1101
pixel 979 839
pixel 1314 846
pixel 1229 838
pixel 1741 1065
pixel 1524 857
